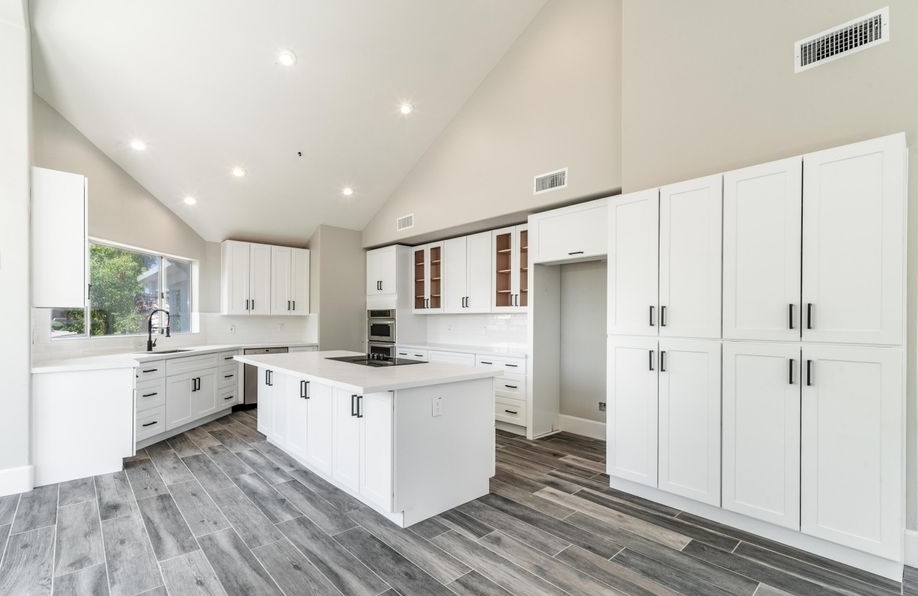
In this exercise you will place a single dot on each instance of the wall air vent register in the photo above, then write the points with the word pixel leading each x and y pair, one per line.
pixel 550 181
pixel 843 40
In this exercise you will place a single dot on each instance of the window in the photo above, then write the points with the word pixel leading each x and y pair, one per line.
pixel 126 285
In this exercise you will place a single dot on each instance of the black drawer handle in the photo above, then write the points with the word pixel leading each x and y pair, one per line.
pixel 486 362
pixel 228 397
pixel 651 315
pixel 228 357
pixel 353 404
pixel 662 360
pixel 228 376
pixel 511 365
pixel 809 372
pixel 790 316
pixel 576 252
pixel 511 386
pixel 419 355
pixel 662 316
pixel 149 394
pixel 150 423
pixel 511 411
pixel 149 370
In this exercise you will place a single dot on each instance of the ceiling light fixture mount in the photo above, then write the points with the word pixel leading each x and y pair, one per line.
pixel 138 145
pixel 286 58
pixel 189 200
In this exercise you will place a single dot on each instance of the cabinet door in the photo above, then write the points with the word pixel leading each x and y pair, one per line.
pixel 420 266
pixel 295 396
pixel 376 449
pixel 299 281
pixel 503 247
pixel 761 431
pixel 690 258
pixel 346 437
pixel 59 247
pixel 266 405
pixel 762 251
pixel 854 201
pixel 631 427
pixel 381 270
pixel 204 396
pixel 319 426
pixel 260 279
pixel 478 257
pixel 690 419
pixel 178 400
pixel 852 447
pixel 521 265
pixel 235 299
pixel 279 405
pixel 455 274
pixel 633 263
pixel 281 290
pixel 571 233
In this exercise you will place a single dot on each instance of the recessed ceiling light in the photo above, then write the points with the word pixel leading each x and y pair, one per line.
pixel 189 200
pixel 286 58
pixel 138 145
pixel 239 172
pixel 347 191
pixel 406 108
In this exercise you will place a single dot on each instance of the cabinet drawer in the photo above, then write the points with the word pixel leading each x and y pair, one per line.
pixel 451 358
pixel 227 376
pixel 514 388
pixel 226 358
pixel 177 366
pixel 412 353
pixel 150 394
pixel 227 397
pixel 150 423
pixel 510 410
pixel 150 370
pixel 514 368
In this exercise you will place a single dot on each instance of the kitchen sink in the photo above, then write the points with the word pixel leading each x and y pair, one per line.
pixel 176 351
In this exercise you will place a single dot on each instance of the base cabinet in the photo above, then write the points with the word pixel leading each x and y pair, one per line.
pixel 190 396
pixel 319 445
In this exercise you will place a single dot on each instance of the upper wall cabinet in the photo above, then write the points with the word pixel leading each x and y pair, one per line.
pixel 246 278
pixel 578 232
pixel 854 220
pixel 59 231
pixel 382 265
pixel 289 281
pixel 467 274
pixel 852 237
pixel 510 252
pixel 634 221
pixel 428 278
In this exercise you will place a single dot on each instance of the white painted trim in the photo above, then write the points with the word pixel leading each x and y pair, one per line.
pixel 911 548
pixel 17 480
pixel 582 426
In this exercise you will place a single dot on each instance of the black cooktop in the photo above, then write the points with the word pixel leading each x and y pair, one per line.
pixel 375 360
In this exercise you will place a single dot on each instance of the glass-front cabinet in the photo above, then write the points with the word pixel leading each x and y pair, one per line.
pixel 510 249
pixel 427 273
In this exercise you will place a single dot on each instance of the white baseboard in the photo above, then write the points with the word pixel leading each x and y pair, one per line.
pixel 582 426
pixel 911 548
pixel 17 480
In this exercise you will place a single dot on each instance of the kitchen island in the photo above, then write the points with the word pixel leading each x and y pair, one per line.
pixel 410 441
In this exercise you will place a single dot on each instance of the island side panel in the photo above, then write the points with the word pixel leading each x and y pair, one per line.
pixel 444 460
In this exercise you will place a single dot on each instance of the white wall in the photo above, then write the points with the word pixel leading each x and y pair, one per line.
pixel 337 290
pixel 709 86
pixel 551 102
pixel 483 330
pixel 583 339
pixel 15 122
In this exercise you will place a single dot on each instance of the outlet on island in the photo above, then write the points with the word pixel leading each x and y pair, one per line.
pixel 437 406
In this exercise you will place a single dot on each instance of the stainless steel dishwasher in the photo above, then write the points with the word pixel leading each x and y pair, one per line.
pixel 250 376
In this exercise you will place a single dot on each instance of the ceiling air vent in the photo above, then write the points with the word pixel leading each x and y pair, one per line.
pixel 846 39
pixel 404 222
pixel 550 181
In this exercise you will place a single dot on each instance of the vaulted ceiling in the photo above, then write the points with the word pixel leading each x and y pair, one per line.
pixel 199 82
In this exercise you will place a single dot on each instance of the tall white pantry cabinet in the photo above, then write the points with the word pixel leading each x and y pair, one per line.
pixel 808 346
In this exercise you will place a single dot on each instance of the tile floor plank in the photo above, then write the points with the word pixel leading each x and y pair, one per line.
pixel 191 575
pixel 227 461
pixel 292 570
pixel 91 581
pixel 183 446
pixel 284 461
pixel 37 509
pixel 347 573
pixel 168 532
pixel 321 512
pixel 132 567
pixel 198 508
pixel 251 524
pixel 169 465
pixel 27 564
pixel 338 498
pixel 74 491
pixel 539 539
pixel 201 437
pixel 529 499
pixel 8 506
pixel 145 480
pixel 272 503
pixel 114 495
pixel 608 571
pixel 236 567
pixel 79 538
pixel 208 474
pixel 265 468
pixel 428 528
pixel 475 584
pixel 232 442
pixel 686 579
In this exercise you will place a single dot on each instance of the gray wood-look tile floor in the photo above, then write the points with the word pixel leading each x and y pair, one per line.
pixel 217 511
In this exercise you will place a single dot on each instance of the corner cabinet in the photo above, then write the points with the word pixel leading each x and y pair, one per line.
pixel 246 278
pixel 510 263
pixel 428 278
pixel 60 273
pixel 289 281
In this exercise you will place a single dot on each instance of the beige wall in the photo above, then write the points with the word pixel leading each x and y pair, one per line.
pixel 337 287
pixel 15 99
pixel 551 102
pixel 709 86
pixel 120 210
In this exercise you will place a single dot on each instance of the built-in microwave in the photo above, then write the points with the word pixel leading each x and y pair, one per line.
pixel 381 326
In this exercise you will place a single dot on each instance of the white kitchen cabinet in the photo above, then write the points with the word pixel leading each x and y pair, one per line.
pixel 691 258
pixel 689 402
pixel 346 437
pixel 463 358
pixel 289 281
pixel 762 235
pixel 467 274
pixel 854 226
pixel 319 427
pixel 412 353
pixel 60 273
pixel 375 423
pixel 428 279
pixel 510 269
pixel 382 266
pixel 190 396
pixel 296 414
pixel 246 278
pixel 852 432
pixel 631 428
pixel 761 431
pixel 578 232
pixel 633 263
pixel 270 409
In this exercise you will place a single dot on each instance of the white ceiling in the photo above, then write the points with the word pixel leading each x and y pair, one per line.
pixel 197 80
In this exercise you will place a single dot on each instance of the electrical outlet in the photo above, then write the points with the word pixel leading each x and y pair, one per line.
pixel 437 406
pixel 232 330
pixel 602 406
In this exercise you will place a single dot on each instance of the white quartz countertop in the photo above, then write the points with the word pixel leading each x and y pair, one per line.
pixel 366 379
pixel 131 359
pixel 510 350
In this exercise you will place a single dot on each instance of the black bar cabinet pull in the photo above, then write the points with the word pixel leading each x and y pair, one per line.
pixel 662 360
pixel 511 386
pixel 149 423
pixel 790 316
pixel 486 362
pixel 353 404
pixel 576 252
pixel 651 315
pixel 809 315
pixel 809 372
pixel 303 389
pixel 360 406
pixel 228 397
pixel 511 411
pixel 662 322
pixel 511 365
pixel 149 394
pixel 790 371
pixel 228 376
pixel 148 370
pixel 247 304
pixel 294 305
pixel 307 389
pixel 253 304
pixel 650 359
